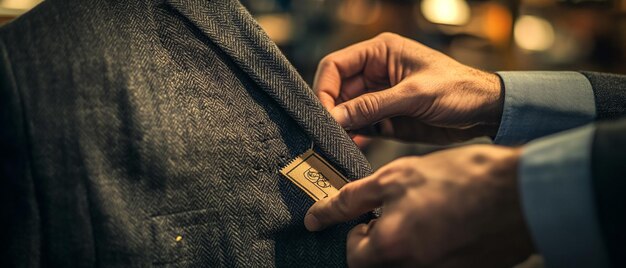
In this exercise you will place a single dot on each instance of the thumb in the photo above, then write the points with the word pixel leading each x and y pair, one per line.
pixel 354 199
pixel 370 108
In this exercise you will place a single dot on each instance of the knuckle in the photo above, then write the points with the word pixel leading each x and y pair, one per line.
pixel 407 160
pixel 389 180
pixel 387 36
pixel 393 186
pixel 343 200
pixel 391 243
pixel 405 166
pixel 326 61
pixel 367 107
pixel 395 178
pixel 407 89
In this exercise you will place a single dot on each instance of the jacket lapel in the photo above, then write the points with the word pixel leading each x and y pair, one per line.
pixel 231 28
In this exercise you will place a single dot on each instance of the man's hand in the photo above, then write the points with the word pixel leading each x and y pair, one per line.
pixel 414 93
pixel 454 208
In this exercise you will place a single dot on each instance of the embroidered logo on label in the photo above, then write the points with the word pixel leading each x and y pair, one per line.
pixel 314 175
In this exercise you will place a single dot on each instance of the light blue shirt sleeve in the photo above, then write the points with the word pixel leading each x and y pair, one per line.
pixel 554 172
pixel 537 104
pixel 558 199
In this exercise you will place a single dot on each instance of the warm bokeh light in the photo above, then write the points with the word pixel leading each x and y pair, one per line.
pixel 451 12
pixel 277 27
pixel 533 33
pixel 360 12
pixel 497 22
pixel 19 4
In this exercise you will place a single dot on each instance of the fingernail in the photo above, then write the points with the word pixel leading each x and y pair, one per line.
pixel 311 222
pixel 340 113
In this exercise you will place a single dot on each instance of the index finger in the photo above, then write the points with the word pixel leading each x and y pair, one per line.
pixel 336 67
pixel 354 199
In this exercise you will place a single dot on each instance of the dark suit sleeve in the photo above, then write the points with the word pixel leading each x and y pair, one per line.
pixel 609 182
pixel 609 161
pixel 19 216
pixel 610 94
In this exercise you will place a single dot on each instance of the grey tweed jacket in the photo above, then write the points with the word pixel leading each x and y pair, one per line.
pixel 151 133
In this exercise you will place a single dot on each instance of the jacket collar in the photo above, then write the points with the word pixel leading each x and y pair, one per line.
pixel 228 24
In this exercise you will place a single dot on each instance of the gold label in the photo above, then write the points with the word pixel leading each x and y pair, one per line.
pixel 314 175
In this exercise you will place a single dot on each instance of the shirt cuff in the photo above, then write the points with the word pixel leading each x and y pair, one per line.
pixel 537 104
pixel 558 199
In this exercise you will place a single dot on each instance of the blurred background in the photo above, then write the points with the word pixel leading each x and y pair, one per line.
pixel 490 35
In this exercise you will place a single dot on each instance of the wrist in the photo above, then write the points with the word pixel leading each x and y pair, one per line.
pixel 490 115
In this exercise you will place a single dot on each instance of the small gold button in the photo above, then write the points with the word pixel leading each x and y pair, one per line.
pixel 179 238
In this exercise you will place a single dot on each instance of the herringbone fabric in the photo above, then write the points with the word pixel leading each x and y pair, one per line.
pixel 150 133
